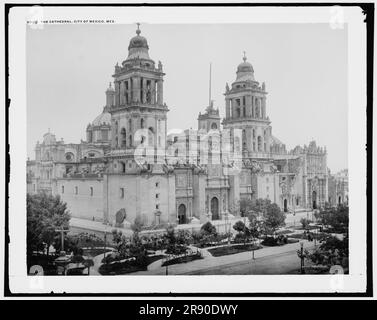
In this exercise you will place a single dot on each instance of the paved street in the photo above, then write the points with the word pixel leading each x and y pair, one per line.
pixel 267 258
pixel 283 263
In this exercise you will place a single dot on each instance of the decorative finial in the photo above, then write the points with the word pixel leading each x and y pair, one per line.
pixel 109 84
pixel 244 56
pixel 138 30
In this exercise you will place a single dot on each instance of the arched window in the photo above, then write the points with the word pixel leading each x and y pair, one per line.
pixel 130 125
pixel 91 191
pixel 259 143
pixel 151 136
pixel 90 136
pixel 104 135
pixel 116 142
pixel 116 127
pixel 237 144
pixel 130 140
pixel 123 167
pixel 124 137
pixel 142 123
pixel 243 135
pixel 214 126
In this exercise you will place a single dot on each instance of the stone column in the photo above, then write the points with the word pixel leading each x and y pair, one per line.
pixel 160 93
pixel 121 92
pixel 117 102
pixel 153 91
pixel 135 90
pixel 248 106
pixel 227 108
pixel 128 91
pixel 264 107
pixel 252 106
pixel 142 90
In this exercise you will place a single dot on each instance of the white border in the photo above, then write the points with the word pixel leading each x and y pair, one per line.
pixel 355 282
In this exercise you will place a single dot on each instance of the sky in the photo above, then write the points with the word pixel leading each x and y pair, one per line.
pixel 304 67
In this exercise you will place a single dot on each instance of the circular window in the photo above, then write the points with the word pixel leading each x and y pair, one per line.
pixel 69 156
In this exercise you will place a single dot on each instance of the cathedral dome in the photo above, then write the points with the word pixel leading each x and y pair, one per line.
pixel 138 47
pixel 103 119
pixel 245 71
pixel 245 67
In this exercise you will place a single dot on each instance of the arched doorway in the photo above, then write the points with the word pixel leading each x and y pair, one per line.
pixel 215 208
pixel 285 205
pixel 314 199
pixel 182 214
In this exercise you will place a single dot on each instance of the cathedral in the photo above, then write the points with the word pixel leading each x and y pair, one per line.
pixel 129 166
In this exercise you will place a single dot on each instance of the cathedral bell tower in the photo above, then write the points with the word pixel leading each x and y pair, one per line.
pixel 245 109
pixel 139 113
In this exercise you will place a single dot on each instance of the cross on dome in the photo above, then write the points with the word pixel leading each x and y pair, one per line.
pixel 138 29
pixel 244 56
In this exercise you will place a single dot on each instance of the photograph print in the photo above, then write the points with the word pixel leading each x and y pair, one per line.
pixel 205 148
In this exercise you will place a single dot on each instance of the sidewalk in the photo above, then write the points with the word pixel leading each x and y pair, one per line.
pixel 96 226
pixel 221 226
pixel 210 261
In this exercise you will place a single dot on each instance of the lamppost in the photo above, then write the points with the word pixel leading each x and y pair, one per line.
pixel 62 231
pixel 227 226
pixel 105 238
pixel 302 257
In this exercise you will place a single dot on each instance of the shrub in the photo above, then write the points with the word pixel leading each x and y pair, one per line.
pixel 305 223
pixel 209 229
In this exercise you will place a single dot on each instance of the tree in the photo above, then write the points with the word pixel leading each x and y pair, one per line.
pixel 260 205
pixel 273 218
pixel 208 233
pixel 45 214
pixel 305 223
pixel 255 226
pixel 208 228
pixel 331 251
pixel 245 205
pixel 335 218
pixel 138 224
pixel 243 231
pixel 174 242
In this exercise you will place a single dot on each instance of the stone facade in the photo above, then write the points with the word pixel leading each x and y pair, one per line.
pixel 129 164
